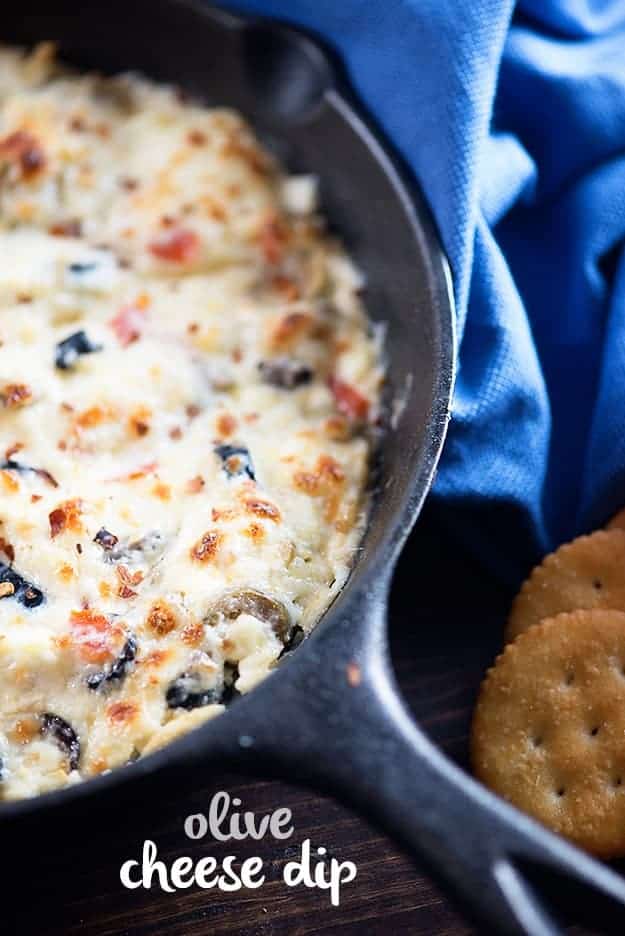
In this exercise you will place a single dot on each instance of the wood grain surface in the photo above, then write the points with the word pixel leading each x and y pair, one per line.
pixel 446 623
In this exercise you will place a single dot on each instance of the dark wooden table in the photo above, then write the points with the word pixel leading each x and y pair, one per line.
pixel 446 624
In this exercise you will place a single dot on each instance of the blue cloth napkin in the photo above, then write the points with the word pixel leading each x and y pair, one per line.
pixel 513 119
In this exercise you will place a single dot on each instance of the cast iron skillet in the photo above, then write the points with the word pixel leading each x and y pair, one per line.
pixel 332 715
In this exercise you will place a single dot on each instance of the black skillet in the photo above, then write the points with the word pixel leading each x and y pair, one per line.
pixel 332 716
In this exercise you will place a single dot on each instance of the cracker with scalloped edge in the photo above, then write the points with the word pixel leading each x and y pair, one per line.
pixel 617 522
pixel 549 727
pixel 587 573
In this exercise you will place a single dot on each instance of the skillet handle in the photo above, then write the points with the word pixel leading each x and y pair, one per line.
pixel 337 720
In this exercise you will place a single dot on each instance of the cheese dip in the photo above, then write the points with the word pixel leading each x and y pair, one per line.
pixel 187 387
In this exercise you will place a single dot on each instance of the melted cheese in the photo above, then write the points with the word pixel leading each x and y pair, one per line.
pixel 186 375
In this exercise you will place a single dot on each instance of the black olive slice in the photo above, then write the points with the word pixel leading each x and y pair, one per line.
pixel 187 692
pixel 236 460
pixel 295 639
pixel 69 350
pixel 149 547
pixel 79 268
pixel 284 372
pixel 64 735
pixel 249 601
pixel 26 593
pixel 118 669
pixel 11 465
pixel 230 692
pixel 105 539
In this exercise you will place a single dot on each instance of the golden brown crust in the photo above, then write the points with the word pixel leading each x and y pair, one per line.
pixel 587 573
pixel 617 522
pixel 549 725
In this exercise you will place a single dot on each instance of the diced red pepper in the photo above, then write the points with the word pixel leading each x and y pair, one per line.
pixel 128 324
pixel 92 634
pixel 176 245
pixel 349 401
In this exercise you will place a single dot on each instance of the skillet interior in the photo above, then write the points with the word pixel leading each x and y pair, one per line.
pixel 294 99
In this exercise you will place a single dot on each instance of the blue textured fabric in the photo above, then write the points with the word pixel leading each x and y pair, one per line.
pixel 513 119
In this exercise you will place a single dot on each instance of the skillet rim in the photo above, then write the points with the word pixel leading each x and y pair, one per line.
pixel 398 526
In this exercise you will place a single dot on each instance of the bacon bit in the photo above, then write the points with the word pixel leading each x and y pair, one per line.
pixel 14 395
pixel 273 237
pixel 207 546
pixel 287 288
pixel 13 450
pixel 66 407
pixel 23 150
pixel 35 497
pixel 197 138
pixel 126 580
pixel 193 328
pixel 162 491
pixel 71 228
pixel 349 401
pixel 255 532
pixel 129 322
pixel 6 589
pixel 262 508
pixel 175 433
pixel 195 485
pixel 192 411
pixel 79 549
pixel 225 424
pixel 24 298
pixel 192 633
pixel 66 517
pixel 290 328
pixel 93 635
pixel 103 131
pixel 251 417
pixel 62 445
pixel 120 712
pixel 176 246
pixel 237 355
pixel 161 619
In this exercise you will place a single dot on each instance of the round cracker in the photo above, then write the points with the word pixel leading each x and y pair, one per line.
pixel 549 727
pixel 617 522
pixel 587 573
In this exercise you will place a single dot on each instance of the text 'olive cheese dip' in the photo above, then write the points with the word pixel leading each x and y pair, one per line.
pixel 187 383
